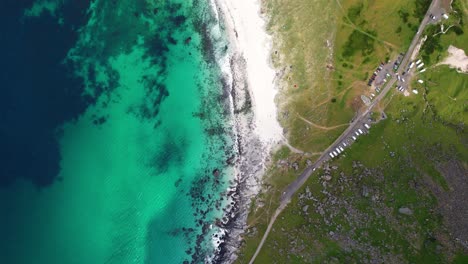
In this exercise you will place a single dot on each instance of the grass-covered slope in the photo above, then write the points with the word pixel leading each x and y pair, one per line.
pixel 398 194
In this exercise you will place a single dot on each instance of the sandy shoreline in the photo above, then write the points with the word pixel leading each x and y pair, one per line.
pixel 251 81
pixel 248 37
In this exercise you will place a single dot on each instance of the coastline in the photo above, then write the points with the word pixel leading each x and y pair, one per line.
pixel 250 81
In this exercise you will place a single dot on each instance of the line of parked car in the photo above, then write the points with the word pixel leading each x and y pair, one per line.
pixel 419 64
pixel 372 78
pixel 340 148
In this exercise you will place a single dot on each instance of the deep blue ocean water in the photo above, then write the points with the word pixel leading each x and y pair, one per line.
pixel 114 131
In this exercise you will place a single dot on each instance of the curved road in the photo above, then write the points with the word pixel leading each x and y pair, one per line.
pixel 357 123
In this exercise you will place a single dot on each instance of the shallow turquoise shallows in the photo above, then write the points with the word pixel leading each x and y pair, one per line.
pixel 144 166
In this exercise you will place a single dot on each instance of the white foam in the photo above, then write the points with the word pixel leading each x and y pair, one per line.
pixel 247 32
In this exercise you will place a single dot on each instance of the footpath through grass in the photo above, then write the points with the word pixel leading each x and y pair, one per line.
pixel 325 51
pixel 350 212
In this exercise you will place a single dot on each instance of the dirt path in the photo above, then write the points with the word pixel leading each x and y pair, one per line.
pixel 270 225
pixel 298 151
pixel 296 185
pixel 370 35
pixel 336 95
pixel 352 25
pixel 319 126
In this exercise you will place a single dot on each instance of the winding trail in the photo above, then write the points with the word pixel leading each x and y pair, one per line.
pixel 298 151
pixel 352 25
pixel 358 122
pixel 270 225
pixel 319 126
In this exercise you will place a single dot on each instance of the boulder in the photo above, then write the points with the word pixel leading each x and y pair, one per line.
pixel 365 191
pixel 405 211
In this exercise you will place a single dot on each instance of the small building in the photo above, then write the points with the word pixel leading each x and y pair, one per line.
pixel 365 100
pixel 420 81
pixel 415 91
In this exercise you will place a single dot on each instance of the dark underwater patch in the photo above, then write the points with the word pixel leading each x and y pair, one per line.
pixel 39 93
pixel 172 153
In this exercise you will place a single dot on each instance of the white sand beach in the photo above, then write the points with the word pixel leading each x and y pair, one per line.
pixel 246 29
pixel 251 76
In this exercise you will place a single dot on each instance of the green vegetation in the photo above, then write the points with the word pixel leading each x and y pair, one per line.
pixel 313 72
pixel 432 43
pixel 434 48
pixel 351 212
pixel 461 259
pixel 400 153
pixel 421 8
pixel 354 12
pixel 403 15
pixel 358 41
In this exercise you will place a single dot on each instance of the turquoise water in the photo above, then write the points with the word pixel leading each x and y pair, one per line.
pixel 143 164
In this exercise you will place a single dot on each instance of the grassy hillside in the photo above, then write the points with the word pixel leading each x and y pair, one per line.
pixel 325 52
pixel 397 195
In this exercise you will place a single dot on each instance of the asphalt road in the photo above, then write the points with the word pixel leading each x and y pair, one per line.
pixel 362 117
pixel 356 124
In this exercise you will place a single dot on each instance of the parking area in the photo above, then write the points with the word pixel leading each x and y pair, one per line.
pixel 397 73
pixel 347 141
pixel 414 68
pixel 437 14
pixel 380 77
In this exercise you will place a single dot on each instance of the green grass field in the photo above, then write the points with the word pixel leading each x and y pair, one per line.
pixel 403 153
pixel 326 52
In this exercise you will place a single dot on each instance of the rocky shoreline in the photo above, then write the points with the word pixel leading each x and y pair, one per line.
pixel 252 156
pixel 249 89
